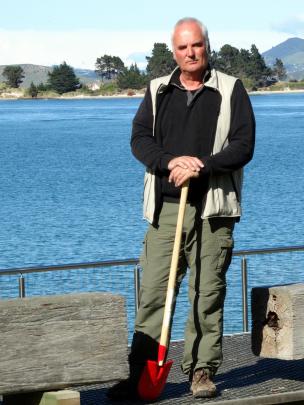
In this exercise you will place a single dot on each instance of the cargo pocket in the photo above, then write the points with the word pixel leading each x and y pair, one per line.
pixel 226 244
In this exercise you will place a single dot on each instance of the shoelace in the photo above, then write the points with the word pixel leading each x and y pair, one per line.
pixel 200 376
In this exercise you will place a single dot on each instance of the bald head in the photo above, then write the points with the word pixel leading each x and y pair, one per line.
pixel 197 22
pixel 190 47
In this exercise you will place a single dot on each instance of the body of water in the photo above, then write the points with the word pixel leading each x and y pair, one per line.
pixel 72 192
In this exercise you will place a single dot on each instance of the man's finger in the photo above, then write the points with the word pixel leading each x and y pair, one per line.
pixel 186 162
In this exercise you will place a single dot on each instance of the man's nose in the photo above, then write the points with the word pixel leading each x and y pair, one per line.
pixel 190 51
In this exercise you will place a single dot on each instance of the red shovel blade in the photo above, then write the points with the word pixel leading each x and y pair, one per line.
pixel 153 380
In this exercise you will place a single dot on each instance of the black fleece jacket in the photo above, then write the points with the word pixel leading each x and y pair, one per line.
pixel 186 125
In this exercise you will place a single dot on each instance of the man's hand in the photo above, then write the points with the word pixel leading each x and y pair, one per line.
pixel 179 175
pixel 183 168
pixel 186 162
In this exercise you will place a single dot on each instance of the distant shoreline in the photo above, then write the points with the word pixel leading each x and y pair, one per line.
pixel 15 96
pixel 259 92
pixel 67 97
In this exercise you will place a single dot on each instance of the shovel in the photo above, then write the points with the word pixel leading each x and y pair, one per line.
pixel 155 373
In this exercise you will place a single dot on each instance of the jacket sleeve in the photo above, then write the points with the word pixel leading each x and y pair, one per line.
pixel 241 136
pixel 143 144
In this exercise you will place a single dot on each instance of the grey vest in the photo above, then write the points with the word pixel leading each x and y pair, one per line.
pixel 224 194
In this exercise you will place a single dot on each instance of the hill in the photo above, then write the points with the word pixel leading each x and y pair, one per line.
pixel 33 73
pixel 39 74
pixel 86 75
pixel 291 52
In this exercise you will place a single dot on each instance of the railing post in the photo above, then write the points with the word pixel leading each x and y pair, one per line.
pixel 21 286
pixel 136 287
pixel 244 294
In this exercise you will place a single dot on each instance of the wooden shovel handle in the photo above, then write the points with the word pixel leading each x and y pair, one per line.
pixel 173 270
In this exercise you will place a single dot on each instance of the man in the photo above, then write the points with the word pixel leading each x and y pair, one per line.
pixel 194 124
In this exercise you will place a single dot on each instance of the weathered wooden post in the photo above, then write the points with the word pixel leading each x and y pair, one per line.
pixel 278 321
pixel 54 342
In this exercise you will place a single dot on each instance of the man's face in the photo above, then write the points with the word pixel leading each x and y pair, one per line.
pixel 189 48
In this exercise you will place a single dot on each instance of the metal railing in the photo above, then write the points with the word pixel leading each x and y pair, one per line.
pixel 251 252
pixel 126 262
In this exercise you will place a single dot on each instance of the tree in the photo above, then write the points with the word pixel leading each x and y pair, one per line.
pixel 118 64
pixel 227 59
pixel 161 62
pixel 14 75
pixel 248 65
pixel 43 87
pixel 33 90
pixel 108 66
pixel 257 69
pixel 131 78
pixel 63 79
pixel 244 62
pixel 279 69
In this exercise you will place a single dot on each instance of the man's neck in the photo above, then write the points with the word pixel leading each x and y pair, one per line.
pixel 191 81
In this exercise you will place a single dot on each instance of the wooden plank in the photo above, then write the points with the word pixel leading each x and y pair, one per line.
pixel 55 342
pixel 64 397
pixel 278 321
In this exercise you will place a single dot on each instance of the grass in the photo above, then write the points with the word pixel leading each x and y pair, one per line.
pixel 288 86
pixel 111 89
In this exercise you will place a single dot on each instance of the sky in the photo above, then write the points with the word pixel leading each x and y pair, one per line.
pixel 48 32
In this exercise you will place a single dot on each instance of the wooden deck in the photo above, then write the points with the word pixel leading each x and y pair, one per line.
pixel 242 379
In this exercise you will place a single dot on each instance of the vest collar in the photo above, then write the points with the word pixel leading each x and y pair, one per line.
pixel 210 79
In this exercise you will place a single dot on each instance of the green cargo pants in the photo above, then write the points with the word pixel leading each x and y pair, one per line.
pixel 206 250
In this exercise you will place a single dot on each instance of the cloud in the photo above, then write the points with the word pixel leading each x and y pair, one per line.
pixel 139 58
pixel 264 40
pixel 293 25
pixel 80 48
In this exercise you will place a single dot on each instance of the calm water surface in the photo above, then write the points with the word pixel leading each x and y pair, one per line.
pixel 71 191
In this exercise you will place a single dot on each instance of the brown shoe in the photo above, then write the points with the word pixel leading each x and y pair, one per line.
pixel 202 385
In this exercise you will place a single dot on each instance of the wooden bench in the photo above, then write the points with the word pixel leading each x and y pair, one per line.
pixel 54 342
pixel 278 321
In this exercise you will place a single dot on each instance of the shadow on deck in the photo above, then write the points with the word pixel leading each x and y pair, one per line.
pixel 242 379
